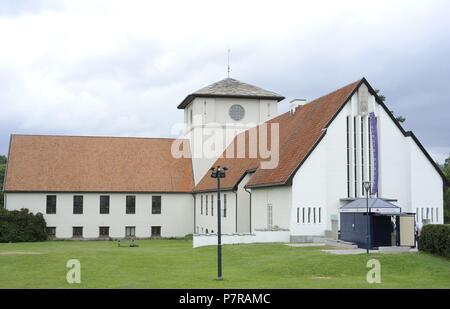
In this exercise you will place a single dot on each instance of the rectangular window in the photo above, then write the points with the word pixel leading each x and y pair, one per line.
pixel 355 156
pixel 51 231
pixel 201 204
pixel 437 215
pixel 224 205
pixel 314 214
pixel 369 133
pixel 348 157
pixel 362 157
pixel 432 214
pixel 156 204
pixel 51 204
pixel 303 214
pixel 156 231
pixel 298 215
pixel 104 204
pixel 421 213
pixel 320 215
pixel 309 214
pixel 428 213
pixel 130 204
pixel 77 231
pixel 269 216
pixel 212 205
pixel 77 204
pixel 417 214
pixel 130 231
pixel 104 231
pixel 206 209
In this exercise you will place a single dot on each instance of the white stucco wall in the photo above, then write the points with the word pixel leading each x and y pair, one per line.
pixel 280 199
pixel 213 114
pixel 258 236
pixel 176 218
pixel 405 174
pixel 208 222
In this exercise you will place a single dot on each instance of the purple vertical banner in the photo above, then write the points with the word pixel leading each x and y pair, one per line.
pixel 374 136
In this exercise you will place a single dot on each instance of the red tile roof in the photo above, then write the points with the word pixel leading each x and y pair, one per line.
pixel 95 164
pixel 298 135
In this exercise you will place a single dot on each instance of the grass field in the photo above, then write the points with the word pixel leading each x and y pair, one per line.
pixel 175 264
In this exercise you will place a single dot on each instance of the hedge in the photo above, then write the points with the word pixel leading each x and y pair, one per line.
pixel 435 238
pixel 22 225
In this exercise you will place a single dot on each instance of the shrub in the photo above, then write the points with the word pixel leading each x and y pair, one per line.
pixel 435 238
pixel 21 225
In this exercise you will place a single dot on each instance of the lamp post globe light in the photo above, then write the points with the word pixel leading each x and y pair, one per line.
pixel 367 188
pixel 219 172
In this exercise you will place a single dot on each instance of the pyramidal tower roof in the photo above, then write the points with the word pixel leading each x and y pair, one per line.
pixel 231 88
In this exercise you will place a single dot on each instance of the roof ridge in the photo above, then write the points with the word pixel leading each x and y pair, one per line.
pixel 95 136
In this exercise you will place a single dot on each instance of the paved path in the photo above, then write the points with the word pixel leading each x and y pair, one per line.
pixel 361 251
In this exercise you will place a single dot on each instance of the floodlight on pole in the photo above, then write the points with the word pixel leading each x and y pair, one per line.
pixel 219 172
pixel 367 188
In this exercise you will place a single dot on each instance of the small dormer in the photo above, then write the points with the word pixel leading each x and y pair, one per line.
pixel 230 101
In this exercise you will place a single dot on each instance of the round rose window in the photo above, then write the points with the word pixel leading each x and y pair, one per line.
pixel 236 112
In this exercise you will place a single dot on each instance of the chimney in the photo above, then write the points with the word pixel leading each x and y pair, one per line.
pixel 296 103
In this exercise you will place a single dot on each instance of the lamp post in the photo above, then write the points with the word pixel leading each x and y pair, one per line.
pixel 367 187
pixel 219 172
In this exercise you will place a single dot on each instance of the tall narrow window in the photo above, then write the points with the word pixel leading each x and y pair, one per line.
pixel 130 204
pixel 320 215
pixel 428 213
pixel 303 214
pixel 348 157
pixel 298 215
pixel 417 214
pixel 212 205
pixel 268 109
pixel 156 204
pixel 269 216
pixel 362 157
pixel 432 214
pixel 224 205
pixel 369 133
pixel 206 205
pixel 201 204
pixel 309 214
pixel 314 214
pixel 51 204
pixel 437 215
pixel 77 204
pixel 421 213
pixel 355 156
pixel 104 204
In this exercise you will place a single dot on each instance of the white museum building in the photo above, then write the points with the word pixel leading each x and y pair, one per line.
pixel 290 172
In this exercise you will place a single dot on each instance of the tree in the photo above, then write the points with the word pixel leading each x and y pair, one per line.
pixel 400 119
pixel 2 176
pixel 446 171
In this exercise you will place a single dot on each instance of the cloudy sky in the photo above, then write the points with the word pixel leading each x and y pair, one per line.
pixel 88 67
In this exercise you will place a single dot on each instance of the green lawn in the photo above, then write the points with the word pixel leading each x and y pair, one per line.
pixel 175 264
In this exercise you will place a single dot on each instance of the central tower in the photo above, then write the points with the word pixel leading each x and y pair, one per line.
pixel 215 114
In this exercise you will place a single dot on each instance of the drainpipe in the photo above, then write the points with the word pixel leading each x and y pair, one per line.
pixel 195 212
pixel 250 193
pixel 236 200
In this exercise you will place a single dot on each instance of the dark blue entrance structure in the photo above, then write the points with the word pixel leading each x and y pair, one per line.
pixel 382 222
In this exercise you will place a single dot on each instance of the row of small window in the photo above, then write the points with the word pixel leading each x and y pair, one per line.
pixel 201 230
pixel 130 231
pixel 205 198
pixel 130 204
pixel 427 213
pixel 309 215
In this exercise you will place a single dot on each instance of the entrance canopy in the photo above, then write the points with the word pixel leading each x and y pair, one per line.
pixel 376 205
